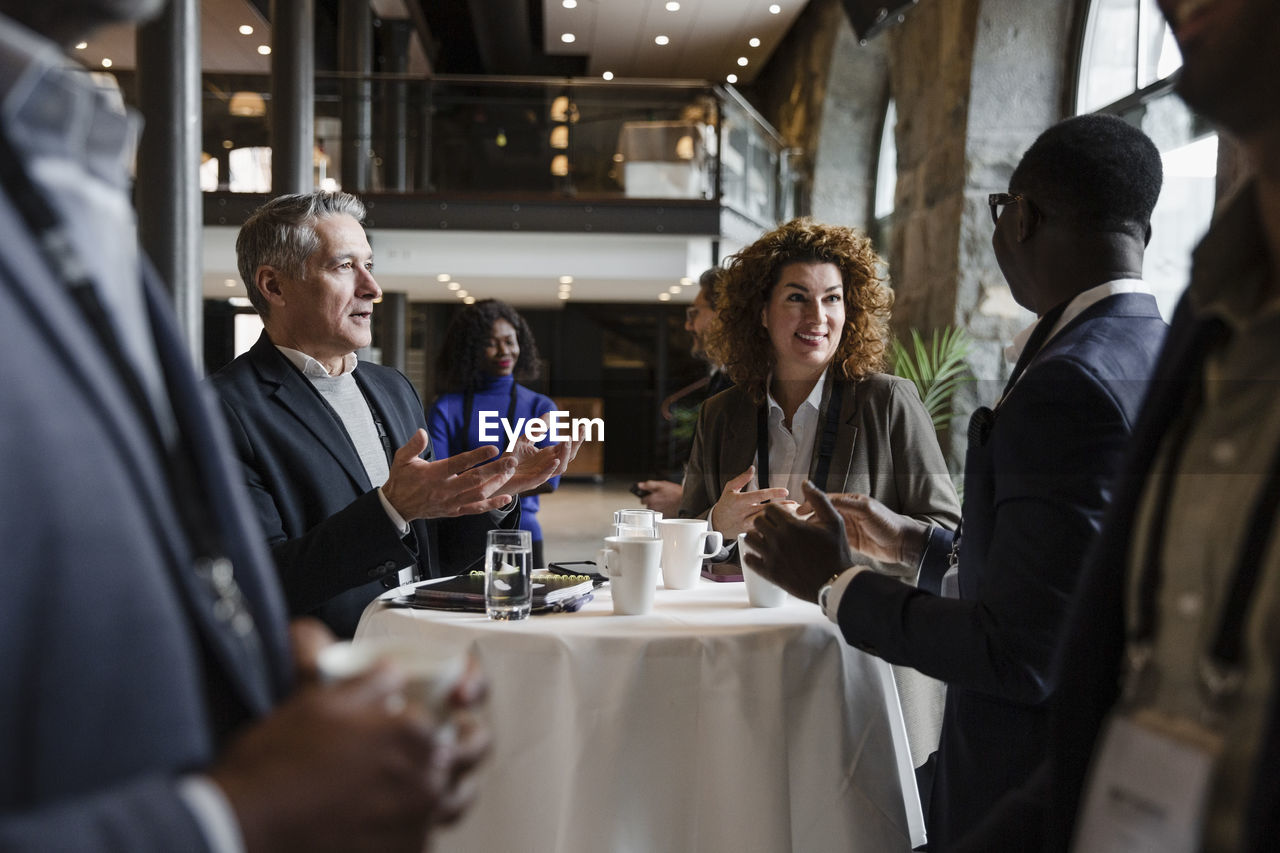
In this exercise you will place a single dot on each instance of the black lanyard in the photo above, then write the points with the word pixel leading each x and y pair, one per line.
pixel 826 447
pixel 383 437
pixel 469 403
pixel 54 243
pixel 1227 648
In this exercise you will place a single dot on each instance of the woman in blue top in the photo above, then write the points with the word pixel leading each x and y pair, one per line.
pixel 487 347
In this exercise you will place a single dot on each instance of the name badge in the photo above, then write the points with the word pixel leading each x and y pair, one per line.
pixel 1148 787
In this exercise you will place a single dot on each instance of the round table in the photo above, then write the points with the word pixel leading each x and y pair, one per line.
pixel 706 725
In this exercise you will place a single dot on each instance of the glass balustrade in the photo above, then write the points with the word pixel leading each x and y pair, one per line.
pixel 512 138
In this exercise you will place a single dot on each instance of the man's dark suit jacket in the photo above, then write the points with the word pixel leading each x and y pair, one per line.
pixel 118 675
pixel 1035 494
pixel 333 542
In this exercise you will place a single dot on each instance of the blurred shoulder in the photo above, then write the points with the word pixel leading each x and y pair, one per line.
pixel 731 402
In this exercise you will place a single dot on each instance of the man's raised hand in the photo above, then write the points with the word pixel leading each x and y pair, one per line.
pixel 447 487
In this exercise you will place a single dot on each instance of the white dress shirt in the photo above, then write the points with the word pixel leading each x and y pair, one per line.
pixel 1074 309
pixel 791 450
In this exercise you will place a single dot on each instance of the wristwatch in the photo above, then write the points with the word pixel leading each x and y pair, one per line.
pixel 825 591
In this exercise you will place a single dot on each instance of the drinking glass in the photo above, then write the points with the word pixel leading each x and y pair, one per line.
pixel 636 523
pixel 508 564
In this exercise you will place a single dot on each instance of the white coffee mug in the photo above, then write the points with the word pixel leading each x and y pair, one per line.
pixel 686 542
pixel 431 672
pixel 631 565
pixel 760 592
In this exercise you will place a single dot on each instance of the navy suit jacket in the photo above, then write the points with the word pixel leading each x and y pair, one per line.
pixel 333 542
pixel 1035 495
pixel 117 674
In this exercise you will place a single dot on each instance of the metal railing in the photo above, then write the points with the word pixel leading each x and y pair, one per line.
pixel 517 137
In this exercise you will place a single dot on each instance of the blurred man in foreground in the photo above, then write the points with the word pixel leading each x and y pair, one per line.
pixel 153 701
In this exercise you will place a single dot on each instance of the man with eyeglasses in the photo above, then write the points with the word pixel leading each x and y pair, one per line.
pixel 1069 237
pixel 664 495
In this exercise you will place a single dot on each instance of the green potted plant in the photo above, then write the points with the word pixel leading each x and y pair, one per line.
pixel 937 368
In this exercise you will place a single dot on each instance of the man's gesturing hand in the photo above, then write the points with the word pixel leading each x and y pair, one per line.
pixel 799 555
pixel 535 465
pixel 446 487
pixel 878 532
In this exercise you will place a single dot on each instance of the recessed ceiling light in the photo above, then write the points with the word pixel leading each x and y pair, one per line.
pixel 568 38
pixel 82 45
pixel 608 75
pixel 661 40
pixel 246 30
pixel 570 4
pixel 673 6
pixel 775 9
pixel 754 42
pixel 453 285
pixel 664 297
pixel 264 49
pixel 564 294
pixel 229 282
pixel 732 78
pixel 566 279
pixel 686 281
pixel 239 302
pixel 106 63
pixel 470 300
pixel 461 294
pixel 444 276
pixel 742 60
pixel 675 288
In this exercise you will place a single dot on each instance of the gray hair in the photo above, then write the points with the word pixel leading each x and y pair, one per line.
pixel 282 234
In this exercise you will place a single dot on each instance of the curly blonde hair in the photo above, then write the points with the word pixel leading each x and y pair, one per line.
pixel 738 339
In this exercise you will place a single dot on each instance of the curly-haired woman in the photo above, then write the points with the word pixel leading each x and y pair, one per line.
pixel 487 347
pixel 802 329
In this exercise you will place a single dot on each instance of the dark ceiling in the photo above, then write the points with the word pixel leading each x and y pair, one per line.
pixel 462 37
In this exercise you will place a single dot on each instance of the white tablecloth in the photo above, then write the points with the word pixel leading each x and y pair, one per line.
pixel 706 725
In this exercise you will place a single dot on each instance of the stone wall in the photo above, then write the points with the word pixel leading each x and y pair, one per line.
pixel 975 81
pixel 930 55
pixel 826 94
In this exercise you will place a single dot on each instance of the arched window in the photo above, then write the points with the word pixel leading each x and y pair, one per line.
pixel 1128 66
pixel 886 181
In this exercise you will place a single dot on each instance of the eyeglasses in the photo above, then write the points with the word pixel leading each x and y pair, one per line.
pixel 998 200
